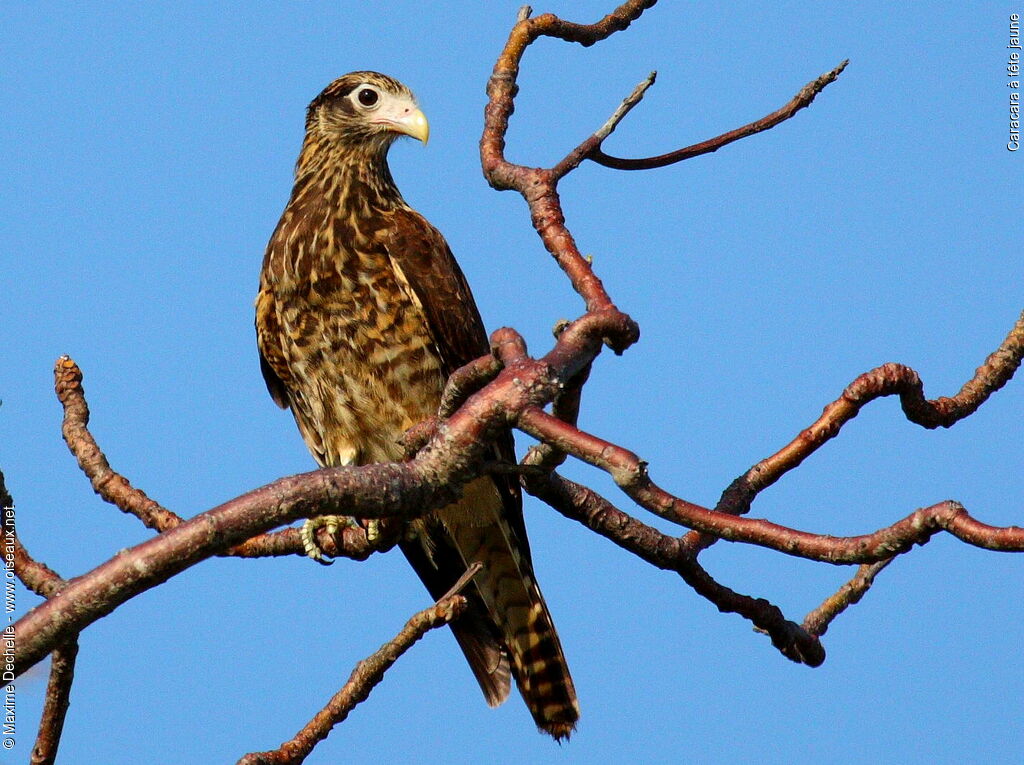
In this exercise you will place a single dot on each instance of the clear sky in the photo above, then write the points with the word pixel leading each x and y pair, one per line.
pixel 147 154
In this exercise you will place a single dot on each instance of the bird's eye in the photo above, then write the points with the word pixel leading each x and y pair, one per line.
pixel 368 97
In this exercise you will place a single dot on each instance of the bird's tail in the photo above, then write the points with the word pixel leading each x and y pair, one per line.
pixel 540 669
pixel 508 588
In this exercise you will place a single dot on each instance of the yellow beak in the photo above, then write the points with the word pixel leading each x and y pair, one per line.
pixel 413 123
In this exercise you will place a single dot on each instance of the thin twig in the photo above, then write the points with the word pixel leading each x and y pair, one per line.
pixel 58 699
pixel 800 101
pixel 367 674
pixel 817 621
pixel 593 143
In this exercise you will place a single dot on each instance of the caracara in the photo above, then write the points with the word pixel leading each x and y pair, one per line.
pixel 362 314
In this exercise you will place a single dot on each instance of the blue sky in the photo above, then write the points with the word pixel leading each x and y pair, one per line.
pixel 147 156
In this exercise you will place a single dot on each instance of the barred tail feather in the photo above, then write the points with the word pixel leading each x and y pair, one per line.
pixel 541 672
pixel 508 588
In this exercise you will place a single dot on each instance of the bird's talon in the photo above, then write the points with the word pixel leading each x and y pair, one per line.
pixel 308 535
pixel 373 530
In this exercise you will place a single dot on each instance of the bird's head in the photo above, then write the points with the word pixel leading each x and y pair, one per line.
pixel 366 110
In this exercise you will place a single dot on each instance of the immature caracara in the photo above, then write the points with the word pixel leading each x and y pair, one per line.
pixel 362 314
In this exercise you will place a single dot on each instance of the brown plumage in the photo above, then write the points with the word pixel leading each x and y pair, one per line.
pixel 362 313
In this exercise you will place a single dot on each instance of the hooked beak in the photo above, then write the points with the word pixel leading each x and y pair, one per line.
pixel 412 123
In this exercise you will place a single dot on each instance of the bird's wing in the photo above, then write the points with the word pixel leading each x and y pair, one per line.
pixel 273 362
pixel 425 263
pixel 433 280
pixel 421 255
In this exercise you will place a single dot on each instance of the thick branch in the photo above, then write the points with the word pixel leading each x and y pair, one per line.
pixel 383 490
pixel 455 455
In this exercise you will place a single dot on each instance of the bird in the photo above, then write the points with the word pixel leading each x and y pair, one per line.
pixel 362 314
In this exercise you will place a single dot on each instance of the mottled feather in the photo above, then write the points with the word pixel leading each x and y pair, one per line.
pixel 361 315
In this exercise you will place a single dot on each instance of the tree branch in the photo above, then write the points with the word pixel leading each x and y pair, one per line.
pixel 55 708
pixel 886 380
pixel 482 400
pixel 630 473
pixel 117 490
pixel 365 677
pixel 110 485
pixel 454 456
pixel 537 185
pixel 817 621
pixel 800 101
pixel 587 149
pixel 595 512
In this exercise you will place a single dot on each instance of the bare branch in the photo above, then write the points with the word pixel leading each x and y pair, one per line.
pixel 109 484
pixel 466 381
pixel 481 401
pixel 817 621
pixel 454 456
pixel 537 185
pixel 565 407
pixel 43 581
pixel 800 101
pixel 116 489
pixel 55 708
pixel 592 510
pixel 367 674
pixel 38 577
pixel 886 380
pixel 593 143
pixel 630 473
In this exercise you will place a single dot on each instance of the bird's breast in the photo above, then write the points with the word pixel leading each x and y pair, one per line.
pixel 359 348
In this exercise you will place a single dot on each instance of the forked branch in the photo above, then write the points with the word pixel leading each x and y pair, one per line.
pixel 800 101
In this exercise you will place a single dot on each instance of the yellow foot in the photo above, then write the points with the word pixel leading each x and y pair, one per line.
pixel 308 534
pixel 332 523
pixel 372 530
